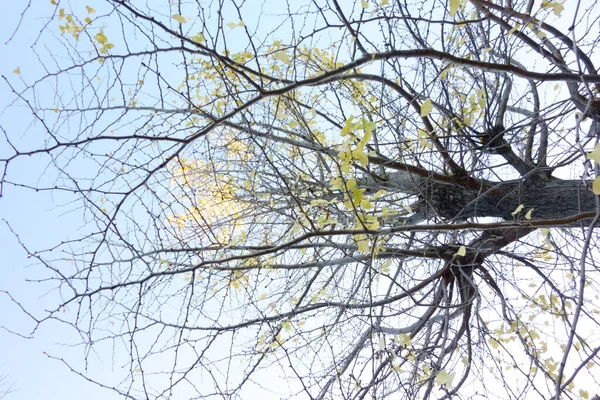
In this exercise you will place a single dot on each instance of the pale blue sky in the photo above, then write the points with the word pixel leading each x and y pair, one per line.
pixel 40 222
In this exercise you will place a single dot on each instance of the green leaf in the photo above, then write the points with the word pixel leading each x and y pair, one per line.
pixel 426 107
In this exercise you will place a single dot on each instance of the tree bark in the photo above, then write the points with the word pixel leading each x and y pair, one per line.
pixel 549 197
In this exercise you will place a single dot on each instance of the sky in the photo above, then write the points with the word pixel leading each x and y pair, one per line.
pixel 40 219
pixel 30 356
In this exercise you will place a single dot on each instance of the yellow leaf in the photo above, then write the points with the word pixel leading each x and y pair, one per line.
pixel 364 4
pixel 385 267
pixel 318 202
pixel 282 56
pixel 514 29
pixel 53 2
pixel 517 210
pixel 596 186
pixel 360 156
pixel 424 139
pixel 199 38
pixel 595 154
pixel 584 394
pixel 348 126
pixel 100 37
pixel 444 378
pixel 383 3
pixel 545 234
pixel 426 107
pixel 17 71
pixel 462 251
pixel 371 222
pixel 61 13
pixel 179 18
pixel 90 10
pixel 403 340
pixel 235 24
pixel 362 242
pixel 454 4
pixel 528 215
pixel 286 325
pixel 557 7
pixel 444 73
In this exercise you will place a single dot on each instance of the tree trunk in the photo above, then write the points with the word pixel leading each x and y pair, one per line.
pixel 549 197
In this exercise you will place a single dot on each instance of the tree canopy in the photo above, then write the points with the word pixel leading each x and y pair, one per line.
pixel 321 199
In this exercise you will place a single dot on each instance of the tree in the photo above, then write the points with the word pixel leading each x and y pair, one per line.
pixel 364 199
pixel 5 387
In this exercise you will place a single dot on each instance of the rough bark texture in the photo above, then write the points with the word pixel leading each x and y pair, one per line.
pixel 549 197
